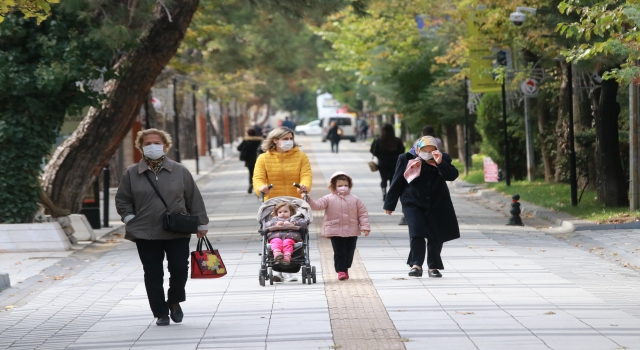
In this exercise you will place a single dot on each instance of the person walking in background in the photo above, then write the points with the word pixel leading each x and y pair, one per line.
pixel 287 123
pixel 345 216
pixel 334 135
pixel 363 127
pixel 248 149
pixel 281 165
pixel 420 184
pixel 142 212
pixel 386 148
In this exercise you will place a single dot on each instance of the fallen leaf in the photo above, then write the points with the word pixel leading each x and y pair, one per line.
pixel 56 278
pixel 11 295
pixel 465 312
pixel 549 313
pixel 398 278
pixel 9 307
pixel 19 263
pixel 404 340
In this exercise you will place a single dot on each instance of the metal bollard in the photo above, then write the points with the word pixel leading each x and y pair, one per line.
pixel 515 219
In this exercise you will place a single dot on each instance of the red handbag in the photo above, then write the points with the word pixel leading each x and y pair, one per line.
pixel 206 263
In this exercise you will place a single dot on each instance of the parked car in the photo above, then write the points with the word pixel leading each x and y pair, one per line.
pixel 346 122
pixel 312 128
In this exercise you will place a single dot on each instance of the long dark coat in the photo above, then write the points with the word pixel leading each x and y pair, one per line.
pixel 429 193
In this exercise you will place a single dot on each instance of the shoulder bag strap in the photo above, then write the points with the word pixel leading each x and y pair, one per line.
pixel 156 189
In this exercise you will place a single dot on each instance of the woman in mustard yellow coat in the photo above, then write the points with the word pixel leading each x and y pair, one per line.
pixel 282 164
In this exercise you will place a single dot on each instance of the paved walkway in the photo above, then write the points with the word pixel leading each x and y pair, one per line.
pixel 503 287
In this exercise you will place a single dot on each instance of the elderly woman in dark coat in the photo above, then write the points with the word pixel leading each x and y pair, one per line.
pixel 420 184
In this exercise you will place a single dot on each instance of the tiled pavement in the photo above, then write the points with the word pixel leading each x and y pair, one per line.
pixel 503 288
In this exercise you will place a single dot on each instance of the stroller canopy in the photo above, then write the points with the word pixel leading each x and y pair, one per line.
pixel 302 208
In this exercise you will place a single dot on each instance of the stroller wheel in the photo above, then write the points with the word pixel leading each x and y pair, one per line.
pixel 270 276
pixel 313 274
pixel 303 272
pixel 262 282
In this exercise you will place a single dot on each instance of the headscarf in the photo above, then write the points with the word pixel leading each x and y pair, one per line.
pixel 423 141
pixel 414 165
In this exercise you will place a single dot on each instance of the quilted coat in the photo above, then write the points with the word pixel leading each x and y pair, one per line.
pixel 344 214
pixel 282 170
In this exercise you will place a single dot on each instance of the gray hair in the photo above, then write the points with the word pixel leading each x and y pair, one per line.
pixel 277 134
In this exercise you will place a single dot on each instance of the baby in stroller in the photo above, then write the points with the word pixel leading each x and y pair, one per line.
pixel 284 223
pixel 284 231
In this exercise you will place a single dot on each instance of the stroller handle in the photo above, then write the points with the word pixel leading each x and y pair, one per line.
pixel 303 192
pixel 262 193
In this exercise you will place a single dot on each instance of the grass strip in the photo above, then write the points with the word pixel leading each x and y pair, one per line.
pixel 554 196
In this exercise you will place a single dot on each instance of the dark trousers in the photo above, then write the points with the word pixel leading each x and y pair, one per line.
pixel 432 249
pixel 343 250
pixel 334 145
pixel 251 169
pixel 152 254
pixel 386 173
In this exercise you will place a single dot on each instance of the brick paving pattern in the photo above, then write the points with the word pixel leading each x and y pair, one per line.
pixel 359 319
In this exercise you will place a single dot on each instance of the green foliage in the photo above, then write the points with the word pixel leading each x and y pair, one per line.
pixel 490 126
pixel 38 9
pixel 40 67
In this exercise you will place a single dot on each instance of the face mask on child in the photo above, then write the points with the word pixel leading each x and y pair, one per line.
pixel 426 155
pixel 342 189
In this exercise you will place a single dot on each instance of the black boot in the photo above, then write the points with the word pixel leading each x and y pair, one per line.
pixel 250 189
pixel 384 193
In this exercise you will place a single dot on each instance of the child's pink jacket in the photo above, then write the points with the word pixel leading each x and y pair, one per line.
pixel 344 214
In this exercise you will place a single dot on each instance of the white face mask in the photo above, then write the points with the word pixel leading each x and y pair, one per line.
pixel 286 145
pixel 426 155
pixel 153 151
pixel 342 189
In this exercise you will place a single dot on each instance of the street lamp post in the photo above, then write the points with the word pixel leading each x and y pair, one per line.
pixel 176 119
pixel 501 59
pixel 467 153
pixel 572 150
pixel 194 88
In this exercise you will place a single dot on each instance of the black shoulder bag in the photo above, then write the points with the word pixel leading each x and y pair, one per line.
pixel 176 223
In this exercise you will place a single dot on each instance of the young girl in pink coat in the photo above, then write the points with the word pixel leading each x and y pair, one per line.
pixel 345 216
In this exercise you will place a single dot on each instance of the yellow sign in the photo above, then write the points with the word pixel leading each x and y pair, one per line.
pixel 480 56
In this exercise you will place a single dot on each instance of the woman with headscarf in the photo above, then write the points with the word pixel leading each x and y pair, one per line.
pixel 420 184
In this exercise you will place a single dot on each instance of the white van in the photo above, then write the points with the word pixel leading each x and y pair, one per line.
pixel 346 122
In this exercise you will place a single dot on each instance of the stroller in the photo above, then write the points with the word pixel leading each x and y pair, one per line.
pixel 300 256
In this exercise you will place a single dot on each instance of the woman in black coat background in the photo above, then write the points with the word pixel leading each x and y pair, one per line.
pixel 426 203
pixel 248 149
pixel 386 148
pixel 334 135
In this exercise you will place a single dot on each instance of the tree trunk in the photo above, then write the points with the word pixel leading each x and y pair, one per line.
pixel 460 137
pixel 79 158
pixel 546 144
pixel 562 127
pixel 611 185
pixel 583 124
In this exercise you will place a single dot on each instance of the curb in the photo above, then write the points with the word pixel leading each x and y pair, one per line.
pixel 4 281
pixel 564 220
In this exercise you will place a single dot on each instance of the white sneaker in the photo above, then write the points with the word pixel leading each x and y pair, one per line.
pixel 278 277
pixel 290 278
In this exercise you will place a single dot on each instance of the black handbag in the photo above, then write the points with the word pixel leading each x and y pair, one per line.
pixel 175 222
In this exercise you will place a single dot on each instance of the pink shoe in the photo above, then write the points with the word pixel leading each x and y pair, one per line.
pixel 342 276
pixel 347 273
pixel 286 260
pixel 277 255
